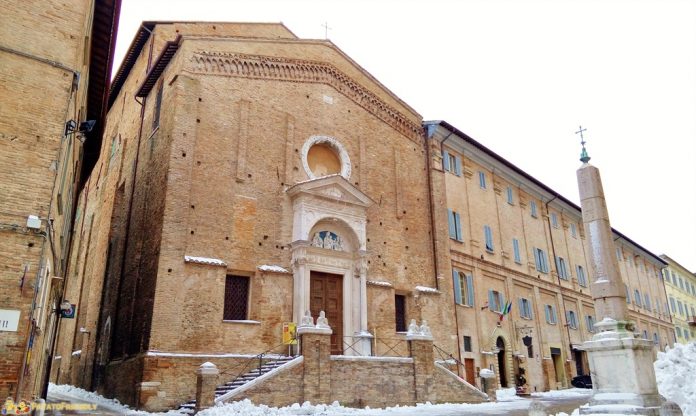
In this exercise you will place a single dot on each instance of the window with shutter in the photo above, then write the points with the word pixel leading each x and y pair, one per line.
pixel 488 235
pixel 457 287
pixel 469 290
pixel 516 250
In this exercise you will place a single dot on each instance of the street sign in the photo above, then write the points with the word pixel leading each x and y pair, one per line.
pixel 289 333
pixel 9 320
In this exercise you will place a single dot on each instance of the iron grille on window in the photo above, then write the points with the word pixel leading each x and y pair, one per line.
pixel 467 343
pixel 236 297
pixel 400 309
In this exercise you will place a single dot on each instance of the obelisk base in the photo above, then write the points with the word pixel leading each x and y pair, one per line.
pixel 623 377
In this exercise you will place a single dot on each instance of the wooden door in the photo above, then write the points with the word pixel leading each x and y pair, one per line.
pixel 326 294
pixel 469 371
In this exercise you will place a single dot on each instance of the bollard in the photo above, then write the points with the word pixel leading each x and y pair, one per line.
pixel 207 378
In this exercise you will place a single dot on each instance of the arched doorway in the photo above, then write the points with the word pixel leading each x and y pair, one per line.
pixel 502 371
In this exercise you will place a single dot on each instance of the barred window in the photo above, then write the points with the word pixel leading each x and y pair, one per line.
pixel 236 298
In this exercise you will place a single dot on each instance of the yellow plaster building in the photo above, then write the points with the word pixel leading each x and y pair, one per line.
pixel 681 292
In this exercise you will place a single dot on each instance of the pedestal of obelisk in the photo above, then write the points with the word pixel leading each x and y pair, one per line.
pixel 621 365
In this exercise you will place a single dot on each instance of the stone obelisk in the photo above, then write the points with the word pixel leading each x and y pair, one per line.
pixel 621 364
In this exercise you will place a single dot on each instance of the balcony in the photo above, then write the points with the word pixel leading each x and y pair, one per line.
pixel 691 320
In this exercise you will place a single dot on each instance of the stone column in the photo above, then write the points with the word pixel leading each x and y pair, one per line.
pixel 620 364
pixel 362 336
pixel 606 285
pixel 315 344
pixel 300 303
pixel 206 382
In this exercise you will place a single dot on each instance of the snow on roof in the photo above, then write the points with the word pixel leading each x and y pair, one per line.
pixel 204 260
pixel 379 283
pixel 272 268
pixel 425 289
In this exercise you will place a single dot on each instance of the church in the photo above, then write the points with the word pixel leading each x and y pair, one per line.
pixel 249 178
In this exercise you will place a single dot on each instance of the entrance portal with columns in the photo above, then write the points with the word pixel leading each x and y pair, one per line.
pixel 328 249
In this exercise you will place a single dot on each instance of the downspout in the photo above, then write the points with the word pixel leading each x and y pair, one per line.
pixel 558 275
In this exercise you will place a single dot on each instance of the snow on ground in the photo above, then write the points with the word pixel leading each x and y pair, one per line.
pixel 67 393
pixel 246 408
pixel 675 370
pixel 563 394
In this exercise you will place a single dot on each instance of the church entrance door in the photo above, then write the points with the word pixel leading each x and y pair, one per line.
pixel 326 294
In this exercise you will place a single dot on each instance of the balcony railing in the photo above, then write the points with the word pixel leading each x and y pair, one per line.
pixel 691 320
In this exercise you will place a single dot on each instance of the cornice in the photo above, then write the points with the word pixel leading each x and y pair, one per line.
pixel 295 70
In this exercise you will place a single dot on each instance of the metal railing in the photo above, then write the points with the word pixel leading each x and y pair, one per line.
pixel 379 347
pixel 247 366
pixel 448 358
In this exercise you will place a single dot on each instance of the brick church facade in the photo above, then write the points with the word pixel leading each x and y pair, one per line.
pixel 247 177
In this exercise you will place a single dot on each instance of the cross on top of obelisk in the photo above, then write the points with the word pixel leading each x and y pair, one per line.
pixel 584 157
pixel 326 29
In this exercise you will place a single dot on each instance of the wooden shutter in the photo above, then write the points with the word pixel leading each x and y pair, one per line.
pixel 457 287
pixel 458 226
pixel 450 223
pixel 445 160
pixel 470 290
pixel 458 166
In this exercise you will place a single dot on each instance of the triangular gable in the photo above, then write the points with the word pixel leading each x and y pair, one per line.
pixel 333 188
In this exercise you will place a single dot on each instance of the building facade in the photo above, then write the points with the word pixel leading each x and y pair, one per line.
pixel 54 68
pixel 520 269
pixel 680 284
pixel 249 177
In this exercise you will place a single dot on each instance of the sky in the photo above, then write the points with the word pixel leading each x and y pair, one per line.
pixel 521 77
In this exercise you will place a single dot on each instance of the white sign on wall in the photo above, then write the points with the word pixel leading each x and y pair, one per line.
pixel 9 320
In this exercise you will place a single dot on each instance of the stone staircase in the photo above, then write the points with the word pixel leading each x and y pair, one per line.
pixel 241 380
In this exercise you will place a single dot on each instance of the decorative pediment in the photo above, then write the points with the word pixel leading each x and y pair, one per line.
pixel 332 188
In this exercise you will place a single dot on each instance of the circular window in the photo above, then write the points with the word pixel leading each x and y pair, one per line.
pixel 323 156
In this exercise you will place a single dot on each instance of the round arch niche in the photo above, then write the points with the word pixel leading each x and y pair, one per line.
pixel 324 156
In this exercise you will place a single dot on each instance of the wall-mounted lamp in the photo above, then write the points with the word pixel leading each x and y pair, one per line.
pixel 65 305
pixel 84 127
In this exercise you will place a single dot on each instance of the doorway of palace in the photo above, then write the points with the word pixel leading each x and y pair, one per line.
pixel 558 366
pixel 326 294
pixel 469 371
pixel 500 344
pixel 579 362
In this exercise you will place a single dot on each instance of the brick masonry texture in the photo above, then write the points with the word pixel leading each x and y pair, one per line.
pixel 43 47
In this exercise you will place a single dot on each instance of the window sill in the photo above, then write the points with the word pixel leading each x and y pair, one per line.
pixel 464 305
pixel 490 251
pixel 241 321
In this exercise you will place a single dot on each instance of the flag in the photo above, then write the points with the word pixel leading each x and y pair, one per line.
pixel 506 310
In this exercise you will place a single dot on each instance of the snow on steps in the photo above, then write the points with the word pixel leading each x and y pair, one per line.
pixel 246 381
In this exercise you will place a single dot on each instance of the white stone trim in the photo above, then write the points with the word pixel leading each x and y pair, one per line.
pixel 336 145
pixel 272 268
pixel 204 260
pixel 185 354
pixel 425 289
pixel 380 283
pixel 241 321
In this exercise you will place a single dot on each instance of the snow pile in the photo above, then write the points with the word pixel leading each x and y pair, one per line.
pixel 72 394
pixel 507 395
pixel 576 412
pixel 247 408
pixel 675 370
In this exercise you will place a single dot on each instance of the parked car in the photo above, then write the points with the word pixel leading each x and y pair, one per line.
pixel 583 382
